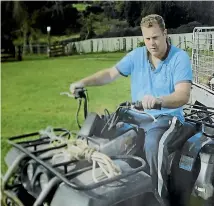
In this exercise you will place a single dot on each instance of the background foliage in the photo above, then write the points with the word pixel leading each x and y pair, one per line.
pixel 26 21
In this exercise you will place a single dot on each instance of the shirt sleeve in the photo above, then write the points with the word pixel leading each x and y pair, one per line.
pixel 126 65
pixel 183 69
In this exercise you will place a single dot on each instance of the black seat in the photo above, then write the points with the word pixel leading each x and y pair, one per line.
pixel 187 131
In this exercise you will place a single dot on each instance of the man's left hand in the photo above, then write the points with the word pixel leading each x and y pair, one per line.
pixel 149 102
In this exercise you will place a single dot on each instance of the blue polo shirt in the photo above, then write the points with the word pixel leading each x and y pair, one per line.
pixel 145 80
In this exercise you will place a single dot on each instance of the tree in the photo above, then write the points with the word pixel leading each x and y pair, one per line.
pixel 88 26
pixel 133 12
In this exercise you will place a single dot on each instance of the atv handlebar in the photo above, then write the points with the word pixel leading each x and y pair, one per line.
pixel 138 105
pixel 80 93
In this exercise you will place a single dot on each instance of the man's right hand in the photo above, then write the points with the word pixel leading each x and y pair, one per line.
pixel 75 85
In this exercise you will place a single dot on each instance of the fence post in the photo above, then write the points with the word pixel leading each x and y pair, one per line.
pixel 131 43
pixel 124 44
pixel 91 45
pixel 210 43
pixel 102 45
pixel 180 42
pixel 185 43
pixel 38 49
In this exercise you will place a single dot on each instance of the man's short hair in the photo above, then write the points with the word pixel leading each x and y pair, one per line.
pixel 150 20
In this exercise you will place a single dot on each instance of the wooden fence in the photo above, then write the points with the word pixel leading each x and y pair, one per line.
pixel 57 50
pixel 8 54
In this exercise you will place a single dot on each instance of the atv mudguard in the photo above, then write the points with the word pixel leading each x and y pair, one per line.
pixel 132 190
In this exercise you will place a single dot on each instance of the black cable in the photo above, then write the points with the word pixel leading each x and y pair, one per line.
pixel 85 107
pixel 107 115
pixel 77 114
pixel 81 94
pixel 107 123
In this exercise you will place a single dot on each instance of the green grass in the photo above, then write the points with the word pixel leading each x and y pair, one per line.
pixel 31 89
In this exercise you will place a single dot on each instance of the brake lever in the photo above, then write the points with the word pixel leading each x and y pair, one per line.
pixel 67 93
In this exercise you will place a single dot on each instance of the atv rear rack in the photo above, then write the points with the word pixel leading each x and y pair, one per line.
pixel 67 175
pixel 202 116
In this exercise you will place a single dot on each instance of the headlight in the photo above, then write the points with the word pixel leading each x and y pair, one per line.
pixel 30 171
pixel 43 180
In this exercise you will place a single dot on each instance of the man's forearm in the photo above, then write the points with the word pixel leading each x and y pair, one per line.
pixel 99 78
pixel 175 100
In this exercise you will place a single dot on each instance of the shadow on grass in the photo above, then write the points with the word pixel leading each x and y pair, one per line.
pixel 34 57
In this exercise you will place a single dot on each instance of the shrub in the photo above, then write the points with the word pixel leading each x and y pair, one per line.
pixel 186 28
pixel 141 44
pixel 121 32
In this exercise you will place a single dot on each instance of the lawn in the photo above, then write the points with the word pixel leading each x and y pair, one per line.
pixel 31 98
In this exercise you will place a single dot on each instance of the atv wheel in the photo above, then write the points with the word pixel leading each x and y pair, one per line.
pixel 10 199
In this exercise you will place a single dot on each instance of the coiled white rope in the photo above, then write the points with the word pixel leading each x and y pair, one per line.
pixel 49 132
pixel 78 149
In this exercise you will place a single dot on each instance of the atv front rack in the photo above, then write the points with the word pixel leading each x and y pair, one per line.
pixel 67 175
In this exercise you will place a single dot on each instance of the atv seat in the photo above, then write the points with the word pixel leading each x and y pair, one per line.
pixel 187 131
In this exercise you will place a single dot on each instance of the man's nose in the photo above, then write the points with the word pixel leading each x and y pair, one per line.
pixel 152 41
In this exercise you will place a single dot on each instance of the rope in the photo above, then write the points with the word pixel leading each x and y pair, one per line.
pixel 78 149
pixel 54 139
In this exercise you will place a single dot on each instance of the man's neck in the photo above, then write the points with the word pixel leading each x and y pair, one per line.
pixel 155 60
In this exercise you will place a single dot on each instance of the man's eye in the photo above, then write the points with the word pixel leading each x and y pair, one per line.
pixel 147 38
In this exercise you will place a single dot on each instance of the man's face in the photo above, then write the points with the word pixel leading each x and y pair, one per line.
pixel 155 40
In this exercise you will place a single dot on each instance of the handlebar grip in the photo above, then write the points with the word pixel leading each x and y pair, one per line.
pixel 123 104
pixel 139 106
pixel 79 92
pixel 157 106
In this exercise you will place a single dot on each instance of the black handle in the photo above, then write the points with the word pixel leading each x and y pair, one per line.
pixel 157 106
pixel 79 92
pixel 139 106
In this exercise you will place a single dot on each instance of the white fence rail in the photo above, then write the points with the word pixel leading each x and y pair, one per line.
pixel 123 43
pixel 183 41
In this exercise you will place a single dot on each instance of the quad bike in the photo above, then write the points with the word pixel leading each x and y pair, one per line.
pixel 42 172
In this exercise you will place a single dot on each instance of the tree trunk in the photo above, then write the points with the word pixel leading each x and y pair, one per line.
pixel 24 42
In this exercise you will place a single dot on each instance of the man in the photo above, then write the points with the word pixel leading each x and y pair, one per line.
pixel 160 74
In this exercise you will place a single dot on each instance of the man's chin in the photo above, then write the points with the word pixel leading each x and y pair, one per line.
pixel 155 53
